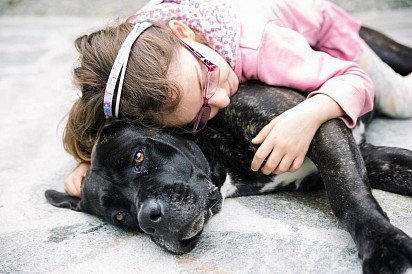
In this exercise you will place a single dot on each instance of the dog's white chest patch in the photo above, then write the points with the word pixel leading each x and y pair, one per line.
pixel 282 180
pixel 228 188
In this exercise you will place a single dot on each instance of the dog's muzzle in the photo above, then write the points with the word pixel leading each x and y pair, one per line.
pixel 174 216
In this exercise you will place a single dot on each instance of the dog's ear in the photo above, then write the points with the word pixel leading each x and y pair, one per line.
pixel 64 200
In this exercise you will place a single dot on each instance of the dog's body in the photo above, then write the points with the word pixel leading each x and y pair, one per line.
pixel 169 185
pixel 230 134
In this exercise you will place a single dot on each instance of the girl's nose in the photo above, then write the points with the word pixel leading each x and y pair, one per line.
pixel 220 99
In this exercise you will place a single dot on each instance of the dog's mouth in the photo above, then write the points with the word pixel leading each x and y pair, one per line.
pixel 187 244
pixel 193 230
pixel 187 238
pixel 180 238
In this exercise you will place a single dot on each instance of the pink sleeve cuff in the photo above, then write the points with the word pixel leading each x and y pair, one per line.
pixel 354 101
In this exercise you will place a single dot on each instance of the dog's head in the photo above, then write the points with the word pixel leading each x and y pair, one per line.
pixel 148 180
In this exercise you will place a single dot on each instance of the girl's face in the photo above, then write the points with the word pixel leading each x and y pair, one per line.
pixel 190 74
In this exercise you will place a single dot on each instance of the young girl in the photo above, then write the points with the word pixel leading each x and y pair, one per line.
pixel 200 50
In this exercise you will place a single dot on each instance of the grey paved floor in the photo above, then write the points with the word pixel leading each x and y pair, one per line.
pixel 282 233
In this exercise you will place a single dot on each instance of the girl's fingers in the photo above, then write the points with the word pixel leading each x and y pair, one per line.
pixel 78 184
pixel 67 184
pixel 297 163
pixel 272 163
pixel 70 189
pixel 261 154
pixel 284 165
pixel 263 133
pixel 72 185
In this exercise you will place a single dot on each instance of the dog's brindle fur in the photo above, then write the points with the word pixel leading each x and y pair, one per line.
pixel 182 180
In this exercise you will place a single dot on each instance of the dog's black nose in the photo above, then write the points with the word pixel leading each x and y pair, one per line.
pixel 150 217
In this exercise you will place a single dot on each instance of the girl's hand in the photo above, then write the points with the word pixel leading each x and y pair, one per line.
pixel 72 184
pixel 285 141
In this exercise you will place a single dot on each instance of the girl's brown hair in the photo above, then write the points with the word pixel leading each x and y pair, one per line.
pixel 147 93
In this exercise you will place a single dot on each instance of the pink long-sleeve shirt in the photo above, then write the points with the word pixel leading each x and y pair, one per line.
pixel 309 45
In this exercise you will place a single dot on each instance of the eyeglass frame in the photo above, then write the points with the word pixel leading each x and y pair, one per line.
pixel 204 113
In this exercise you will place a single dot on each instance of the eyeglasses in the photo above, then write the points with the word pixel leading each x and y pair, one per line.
pixel 209 88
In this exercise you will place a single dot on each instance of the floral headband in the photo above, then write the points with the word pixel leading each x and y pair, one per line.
pixel 119 67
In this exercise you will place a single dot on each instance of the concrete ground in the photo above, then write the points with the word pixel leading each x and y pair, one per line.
pixel 282 233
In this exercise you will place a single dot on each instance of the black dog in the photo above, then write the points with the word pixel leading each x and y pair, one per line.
pixel 169 185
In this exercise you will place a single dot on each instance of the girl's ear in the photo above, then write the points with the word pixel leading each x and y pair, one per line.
pixel 181 30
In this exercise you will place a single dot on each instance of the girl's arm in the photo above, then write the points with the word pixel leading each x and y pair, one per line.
pixel 72 184
pixel 336 88
pixel 286 59
pixel 284 142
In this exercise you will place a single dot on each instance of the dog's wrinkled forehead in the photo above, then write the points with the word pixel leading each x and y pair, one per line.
pixel 119 142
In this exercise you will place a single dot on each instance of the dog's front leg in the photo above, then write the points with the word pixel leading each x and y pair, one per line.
pixel 382 247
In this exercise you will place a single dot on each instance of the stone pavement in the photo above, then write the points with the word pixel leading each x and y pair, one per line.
pixel 281 233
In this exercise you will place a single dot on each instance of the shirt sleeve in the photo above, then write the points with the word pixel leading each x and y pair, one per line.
pixel 285 58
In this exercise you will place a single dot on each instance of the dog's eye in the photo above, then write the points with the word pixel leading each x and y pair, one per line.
pixel 139 158
pixel 120 216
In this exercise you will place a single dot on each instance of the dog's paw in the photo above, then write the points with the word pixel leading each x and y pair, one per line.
pixel 388 252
